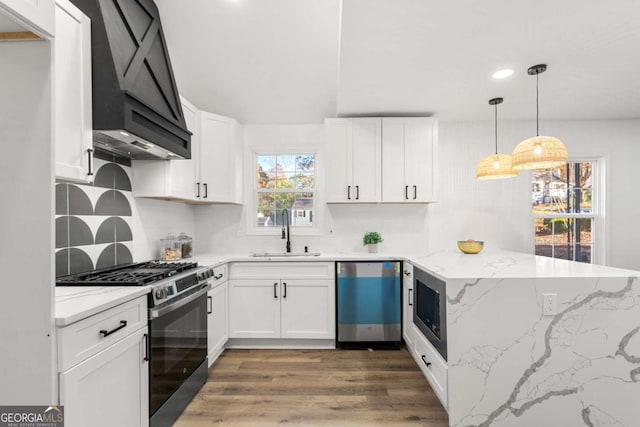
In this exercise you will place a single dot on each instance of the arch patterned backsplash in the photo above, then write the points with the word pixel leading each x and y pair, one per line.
pixel 94 222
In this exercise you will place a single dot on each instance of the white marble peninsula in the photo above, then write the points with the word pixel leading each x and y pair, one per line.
pixel 508 365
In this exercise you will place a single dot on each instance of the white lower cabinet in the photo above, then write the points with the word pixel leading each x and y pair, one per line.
pixel 432 365
pixel 217 317
pixel 282 300
pixel 408 331
pixel 110 387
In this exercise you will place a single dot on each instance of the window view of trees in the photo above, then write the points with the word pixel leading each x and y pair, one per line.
pixel 285 182
pixel 562 203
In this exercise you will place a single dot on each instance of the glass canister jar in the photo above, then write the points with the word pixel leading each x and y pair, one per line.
pixel 170 248
pixel 186 245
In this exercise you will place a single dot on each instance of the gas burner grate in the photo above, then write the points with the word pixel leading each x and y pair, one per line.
pixel 138 274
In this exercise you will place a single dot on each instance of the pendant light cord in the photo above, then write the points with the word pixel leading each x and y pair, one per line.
pixel 537 107
pixel 496 126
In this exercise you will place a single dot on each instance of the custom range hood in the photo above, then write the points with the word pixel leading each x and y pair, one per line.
pixel 136 106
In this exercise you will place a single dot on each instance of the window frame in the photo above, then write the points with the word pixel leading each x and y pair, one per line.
pixel 252 228
pixel 598 247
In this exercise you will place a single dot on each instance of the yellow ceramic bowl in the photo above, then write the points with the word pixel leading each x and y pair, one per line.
pixel 470 247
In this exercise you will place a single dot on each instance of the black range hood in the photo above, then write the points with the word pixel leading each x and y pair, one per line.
pixel 136 106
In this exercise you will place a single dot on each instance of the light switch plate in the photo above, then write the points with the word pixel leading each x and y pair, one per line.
pixel 549 304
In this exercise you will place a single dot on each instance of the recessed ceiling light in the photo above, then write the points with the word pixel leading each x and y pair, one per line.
pixel 501 74
pixel 124 133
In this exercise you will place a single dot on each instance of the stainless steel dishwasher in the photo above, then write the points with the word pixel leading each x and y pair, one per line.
pixel 368 304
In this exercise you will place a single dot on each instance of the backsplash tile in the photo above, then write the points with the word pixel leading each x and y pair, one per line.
pixel 94 222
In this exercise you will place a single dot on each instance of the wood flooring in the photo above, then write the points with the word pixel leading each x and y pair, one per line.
pixel 315 388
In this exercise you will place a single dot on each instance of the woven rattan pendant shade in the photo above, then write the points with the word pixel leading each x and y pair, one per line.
pixel 495 166
pixel 539 152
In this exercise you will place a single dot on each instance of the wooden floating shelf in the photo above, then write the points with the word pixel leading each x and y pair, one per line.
pixel 14 36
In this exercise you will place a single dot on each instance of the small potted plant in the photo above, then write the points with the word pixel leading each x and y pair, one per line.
pixel 371 239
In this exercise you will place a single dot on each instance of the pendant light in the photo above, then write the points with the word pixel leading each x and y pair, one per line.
pixel 539 152
pixel 495 166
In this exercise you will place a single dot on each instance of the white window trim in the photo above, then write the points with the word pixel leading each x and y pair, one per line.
pixel 250 190
pixel 599 245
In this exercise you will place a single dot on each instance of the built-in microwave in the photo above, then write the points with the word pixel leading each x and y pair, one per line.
pixel 430 309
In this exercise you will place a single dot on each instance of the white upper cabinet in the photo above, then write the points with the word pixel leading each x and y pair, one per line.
pixel 34 15
pixel 353 160
pixel 389 160
pixel 72 94
pixel 212 175
pixel 220 159
pixel 409 153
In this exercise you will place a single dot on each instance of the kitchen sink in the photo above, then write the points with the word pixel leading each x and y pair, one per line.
pixel 284 254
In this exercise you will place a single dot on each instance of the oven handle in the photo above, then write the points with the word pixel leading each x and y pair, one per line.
pixel 154 313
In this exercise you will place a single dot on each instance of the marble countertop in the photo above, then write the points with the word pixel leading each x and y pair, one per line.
pixel 450 264
pixel 212 260
pixel 73 303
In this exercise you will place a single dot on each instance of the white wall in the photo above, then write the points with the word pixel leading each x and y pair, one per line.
pixel 153 220
pixel 27 346
pixel 497 212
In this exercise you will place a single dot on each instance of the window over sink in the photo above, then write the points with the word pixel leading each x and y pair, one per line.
pixel 284 181
pixel 566 213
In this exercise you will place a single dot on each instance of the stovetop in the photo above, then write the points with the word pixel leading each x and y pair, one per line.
pixel 137 274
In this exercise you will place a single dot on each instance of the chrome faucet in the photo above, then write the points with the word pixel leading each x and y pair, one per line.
pixel 285 231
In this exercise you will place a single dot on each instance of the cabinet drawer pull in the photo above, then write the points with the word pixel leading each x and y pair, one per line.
pixel 147 344
pixel 105 333
pixel 90 162
pixel 209 305
pixel 218 276
pixel 275 290
pixel 409 297
pixel 357 192
pixel 197 189
pixel 415 192
pixel 423 357
pixel 284 295
pixel 206 190
pixel 348 192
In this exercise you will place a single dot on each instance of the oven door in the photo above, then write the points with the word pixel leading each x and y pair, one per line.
pixel 178 342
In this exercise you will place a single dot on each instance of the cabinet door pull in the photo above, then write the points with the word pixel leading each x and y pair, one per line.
pixel 348 192
pixel 284 295
pixel 415 192
pixel 105 333
pixel 275 290
pixel 423 357
pixel 90 162
pixel 406 192
pixel 210 304
pixel 197 189
pixel 206 190
pixel 146 348
pixel 357 192
pixel 409 297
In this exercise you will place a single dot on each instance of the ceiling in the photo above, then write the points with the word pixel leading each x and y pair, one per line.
pixel 299 61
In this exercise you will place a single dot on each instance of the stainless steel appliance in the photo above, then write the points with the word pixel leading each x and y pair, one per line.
pixel 368 304
pixel 177 329
pixel 430 309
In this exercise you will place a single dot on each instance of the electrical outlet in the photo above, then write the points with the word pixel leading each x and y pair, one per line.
pixel 549 304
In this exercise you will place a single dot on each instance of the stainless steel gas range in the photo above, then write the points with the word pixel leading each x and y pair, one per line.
pixel 177 328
